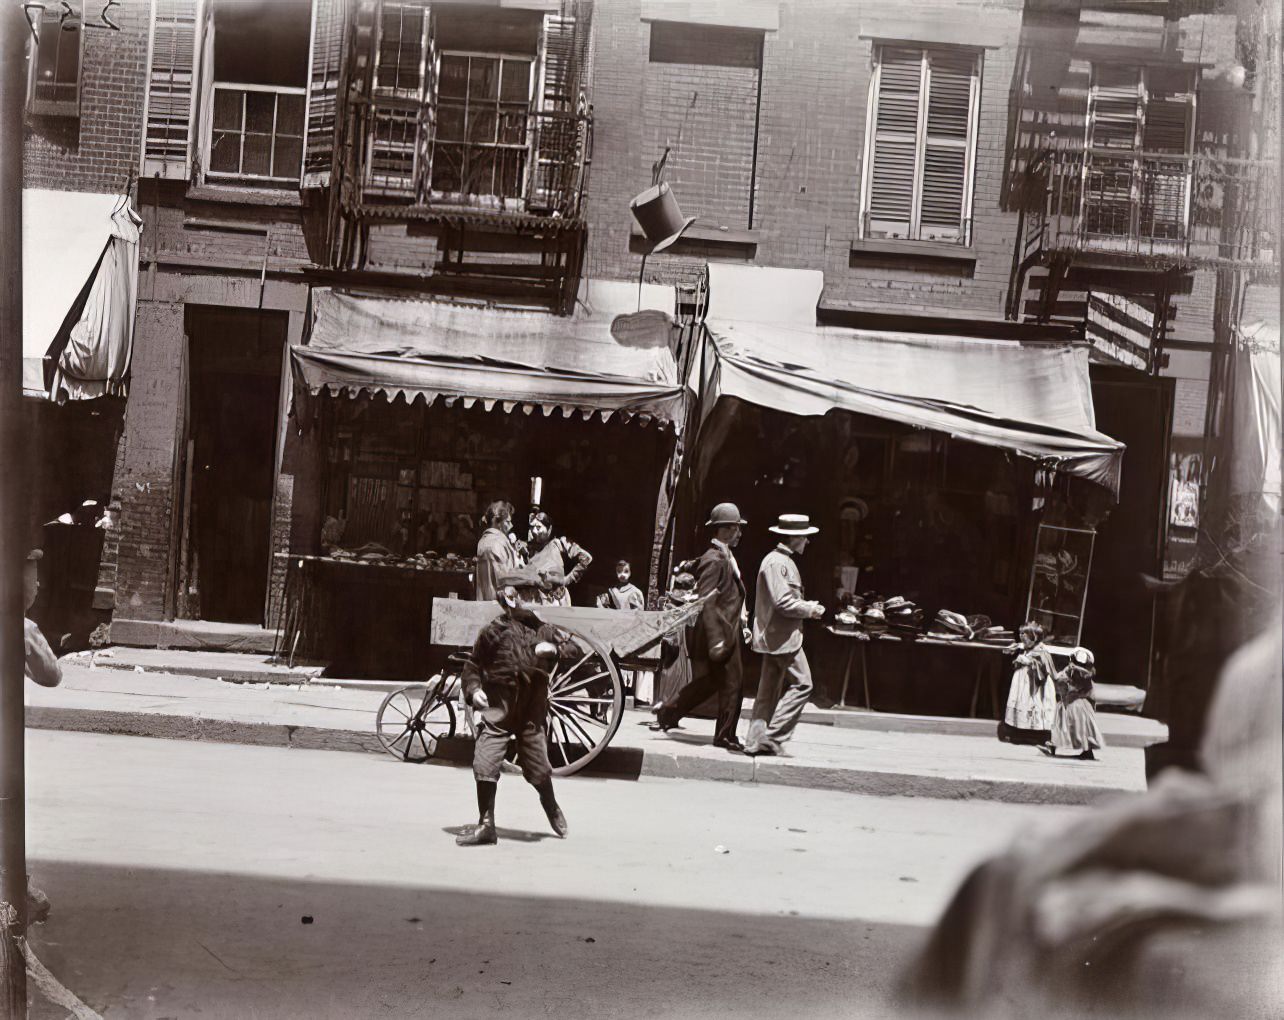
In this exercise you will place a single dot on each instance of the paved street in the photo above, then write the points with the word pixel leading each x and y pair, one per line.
pixel 180 875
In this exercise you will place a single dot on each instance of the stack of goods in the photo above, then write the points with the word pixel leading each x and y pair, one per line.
pixel 904 618
pixel 951 626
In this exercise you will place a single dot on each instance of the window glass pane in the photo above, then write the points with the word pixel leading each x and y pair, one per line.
pixel 481 123
pixel 262 43
pixel 510 165
pixel 287 156
pixel 512 125
pixel 480 179
pixel 446 166
pixel 257 155
pixel 227 109
pixel 68 70
pixel 450 122
pixel 47 56
pixel 259 109
pixel 453 81
pixel 483 78
pixel 289 114
pixel 225 152
pixel 516 81
pixel 400 48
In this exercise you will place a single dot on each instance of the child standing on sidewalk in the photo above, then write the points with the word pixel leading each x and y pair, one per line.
pixel 1074 726
pixel 626 595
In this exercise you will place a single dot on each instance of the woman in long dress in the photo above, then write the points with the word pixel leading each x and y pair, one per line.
pixel 1032 698
pixel 496 553
pixel 558 559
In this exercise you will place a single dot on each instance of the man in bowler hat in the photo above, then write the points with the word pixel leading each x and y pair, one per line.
pixel 715 637
pixel 506 682
pixel 778 614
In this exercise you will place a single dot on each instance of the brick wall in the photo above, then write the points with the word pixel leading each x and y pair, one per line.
pixel 98 150
pixel 145 468
pixel 815 82
pixel 700 100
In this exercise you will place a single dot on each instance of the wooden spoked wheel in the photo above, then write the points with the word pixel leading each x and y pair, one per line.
pixel 585 703
pixel 412 719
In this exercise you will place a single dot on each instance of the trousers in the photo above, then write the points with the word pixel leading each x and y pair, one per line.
pixel 722 678
pixel 784 688
pixel 514 711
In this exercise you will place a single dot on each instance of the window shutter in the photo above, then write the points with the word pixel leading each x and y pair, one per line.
pixel 554 140
pixel 398 98
pixel 1114 107
pixel 427 108
pixel 171 76
pixel 323 92
pixel 896 114
pixel 949 113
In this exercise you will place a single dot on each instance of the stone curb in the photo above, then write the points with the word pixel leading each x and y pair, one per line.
pixel 614 762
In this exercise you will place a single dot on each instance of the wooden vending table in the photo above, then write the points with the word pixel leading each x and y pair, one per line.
pixel 365 618
pixel 860 641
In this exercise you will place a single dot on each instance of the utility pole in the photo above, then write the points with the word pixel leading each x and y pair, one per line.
pixel 13 486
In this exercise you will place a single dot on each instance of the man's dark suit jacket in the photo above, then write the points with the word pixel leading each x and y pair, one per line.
pixel 716 631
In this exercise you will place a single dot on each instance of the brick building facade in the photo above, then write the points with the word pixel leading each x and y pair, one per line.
pixel 769 120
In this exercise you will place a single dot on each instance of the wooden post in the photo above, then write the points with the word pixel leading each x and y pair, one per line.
pixel 13 840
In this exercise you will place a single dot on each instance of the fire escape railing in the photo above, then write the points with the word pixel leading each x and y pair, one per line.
pixel 1198 208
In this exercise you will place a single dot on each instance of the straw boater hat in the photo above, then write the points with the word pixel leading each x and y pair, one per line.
pixel 793 525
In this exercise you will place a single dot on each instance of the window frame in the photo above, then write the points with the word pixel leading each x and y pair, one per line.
pixel 534 78
pixel 36 106
pixel 914 232
pixel 266 180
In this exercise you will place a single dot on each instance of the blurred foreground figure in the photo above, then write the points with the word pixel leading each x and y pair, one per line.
pixel 1167 904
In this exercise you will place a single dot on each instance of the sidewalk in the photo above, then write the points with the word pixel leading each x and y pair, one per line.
pixel 852 751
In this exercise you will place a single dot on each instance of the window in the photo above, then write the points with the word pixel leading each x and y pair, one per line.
pixel 921 144
pixel 54 84
pixel 1136 183
pixel 482 110
pixel 256 93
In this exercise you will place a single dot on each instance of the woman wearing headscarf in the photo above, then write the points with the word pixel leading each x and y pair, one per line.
pixel 558 560
pixel 497 555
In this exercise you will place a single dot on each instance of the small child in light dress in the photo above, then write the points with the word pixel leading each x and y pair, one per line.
pixel 1074 726
pixel 1027 717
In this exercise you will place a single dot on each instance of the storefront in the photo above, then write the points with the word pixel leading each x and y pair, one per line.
pixel 954 473
pixel 418 414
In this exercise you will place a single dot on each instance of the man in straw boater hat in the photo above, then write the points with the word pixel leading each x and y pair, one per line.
pixel 506 681
pixel 713 642
pixel 779 611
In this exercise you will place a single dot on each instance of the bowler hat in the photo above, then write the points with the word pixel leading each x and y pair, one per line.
pixel 657 213
pixel 723 514
pixel 793 525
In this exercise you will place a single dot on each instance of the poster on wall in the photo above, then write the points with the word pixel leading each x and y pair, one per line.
pixel 1185 480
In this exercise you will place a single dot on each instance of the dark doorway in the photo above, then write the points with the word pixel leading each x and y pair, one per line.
pixel 234 393
pixel 1118 622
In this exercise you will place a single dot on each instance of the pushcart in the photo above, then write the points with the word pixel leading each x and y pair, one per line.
pixel 585 690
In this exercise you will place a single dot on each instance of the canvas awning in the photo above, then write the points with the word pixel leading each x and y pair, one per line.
pixel 1255 423
pixel 79 293
pixel 1033 399
pixel 415 349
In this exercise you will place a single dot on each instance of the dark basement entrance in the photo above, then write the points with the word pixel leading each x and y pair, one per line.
pixel 234 393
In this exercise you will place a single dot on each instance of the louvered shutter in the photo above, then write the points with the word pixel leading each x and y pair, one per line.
pixel 554 140
pixel 428 109
pixel 947 142
pixel 1111 181
pixel 1114 107
pixel 323 91
pixel 895 157
pixel 398 98
pixel 167 141
pixel 1166 138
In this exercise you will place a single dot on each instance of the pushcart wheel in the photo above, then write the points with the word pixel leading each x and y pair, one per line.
pixel 412 719
pixel 585 702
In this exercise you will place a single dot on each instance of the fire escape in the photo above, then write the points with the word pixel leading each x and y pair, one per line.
pixel 1120 204
pixel 463 144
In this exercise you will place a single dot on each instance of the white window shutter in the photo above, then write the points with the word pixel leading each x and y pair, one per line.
pixel 323 91
pixel 167 141
pixel 398 97
pixel 946 145
pixel 427 108
pixel 895 137
pixel 555 101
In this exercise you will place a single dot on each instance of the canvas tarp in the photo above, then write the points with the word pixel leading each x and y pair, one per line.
pixel 79 291
pixel 518 359
pixel 1031 398
pixel 1255 426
